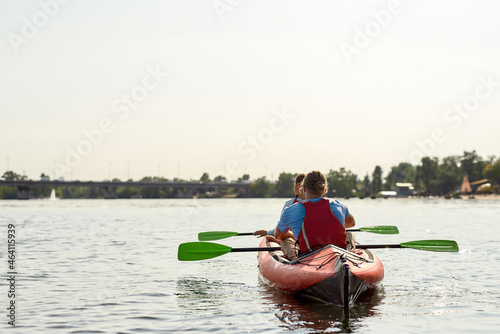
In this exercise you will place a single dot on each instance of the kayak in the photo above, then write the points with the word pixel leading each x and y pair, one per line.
pixel 331 274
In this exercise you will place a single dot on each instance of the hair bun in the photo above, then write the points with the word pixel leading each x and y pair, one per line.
pixel 315 182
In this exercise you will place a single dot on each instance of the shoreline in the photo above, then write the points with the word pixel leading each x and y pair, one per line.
pixel 466 197
pixel 463 197
pixel 479 196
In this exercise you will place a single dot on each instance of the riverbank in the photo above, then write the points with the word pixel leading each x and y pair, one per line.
pixel 481 196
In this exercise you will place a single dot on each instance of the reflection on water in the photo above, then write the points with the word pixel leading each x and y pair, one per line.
pixel 298 312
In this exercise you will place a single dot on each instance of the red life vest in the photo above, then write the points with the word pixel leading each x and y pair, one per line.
pixel 320 227
pixel 295 200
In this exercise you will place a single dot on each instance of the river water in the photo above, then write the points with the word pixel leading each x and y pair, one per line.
pixel 110 266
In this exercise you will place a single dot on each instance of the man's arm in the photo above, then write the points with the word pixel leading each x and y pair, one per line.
pixel 263 233
pixel 349 221
pixel 260 233
pixel 278 234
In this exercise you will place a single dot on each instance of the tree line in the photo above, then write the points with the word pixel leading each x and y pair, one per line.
pixel 432 176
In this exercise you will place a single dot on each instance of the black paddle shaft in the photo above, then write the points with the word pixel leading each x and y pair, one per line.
pixel 255 249
pixel 270 249
pixel 378 246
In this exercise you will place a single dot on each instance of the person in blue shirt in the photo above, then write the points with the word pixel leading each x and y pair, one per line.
pixel 297 190
pixel 287 238
pixel 314 187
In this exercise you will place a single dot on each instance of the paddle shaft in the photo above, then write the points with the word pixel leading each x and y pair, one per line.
pixel 270 249
pixel 256 249
pixel 378 246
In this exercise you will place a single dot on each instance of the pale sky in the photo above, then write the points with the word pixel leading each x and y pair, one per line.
pixel 97 89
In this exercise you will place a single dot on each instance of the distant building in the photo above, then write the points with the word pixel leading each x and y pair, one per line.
pixel 479 185
pixel 404 189
pixel 388 193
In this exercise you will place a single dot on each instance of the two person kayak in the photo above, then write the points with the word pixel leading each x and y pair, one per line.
pixel 331 274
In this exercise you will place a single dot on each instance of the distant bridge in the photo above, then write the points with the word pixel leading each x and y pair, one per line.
pixel 184 189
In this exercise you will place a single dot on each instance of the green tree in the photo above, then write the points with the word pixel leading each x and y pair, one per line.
pixel 154 192
pixel 127 192
pixel 284 185
pixel 41 192
pixel 81 192
pixel 367 186
pixel 205 178
pixel 8 192
pixel 404 172
pixel 492 173
pixel 377 180
pixel 11 176
pixel 341 183
pixel 472 165
pixel 220 178
pixel 245 177
pixel 428 174
pixel 261 188
pixel 449 176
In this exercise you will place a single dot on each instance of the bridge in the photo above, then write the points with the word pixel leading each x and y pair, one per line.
pixel 184 189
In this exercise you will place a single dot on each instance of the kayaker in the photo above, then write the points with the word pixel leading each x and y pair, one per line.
pixel 287 238
pixel 316 221
pixel 297 190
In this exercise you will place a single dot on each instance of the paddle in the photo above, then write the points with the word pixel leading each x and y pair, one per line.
pixel 428 245
pixel 381 229
pixel 216 235
pixel 194 251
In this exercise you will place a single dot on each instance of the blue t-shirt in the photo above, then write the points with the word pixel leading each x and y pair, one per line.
pixel 293 216
pixel 287 204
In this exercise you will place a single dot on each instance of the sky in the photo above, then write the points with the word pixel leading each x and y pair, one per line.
pixel 94 90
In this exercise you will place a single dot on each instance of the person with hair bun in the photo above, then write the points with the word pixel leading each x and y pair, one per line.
pixel 316 221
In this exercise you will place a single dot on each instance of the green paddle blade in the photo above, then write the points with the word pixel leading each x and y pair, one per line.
pixel 194 251
pixel 382 229
pixel 215 235
pixel 432 245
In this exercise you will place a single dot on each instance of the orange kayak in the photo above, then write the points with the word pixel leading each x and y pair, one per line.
pixel 331 274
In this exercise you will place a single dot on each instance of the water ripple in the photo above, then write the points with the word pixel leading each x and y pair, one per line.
pixel 111 267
